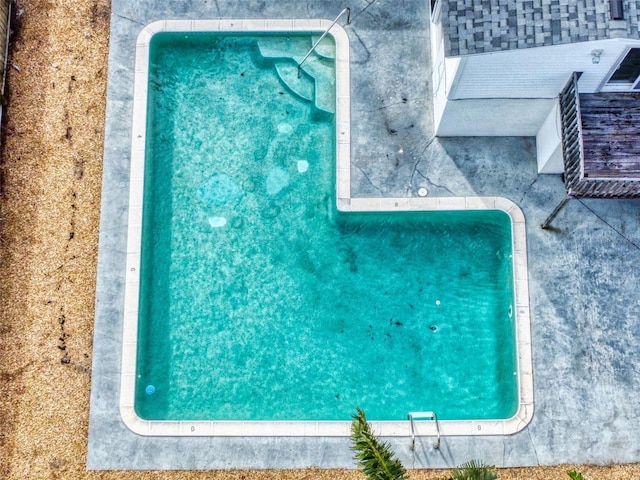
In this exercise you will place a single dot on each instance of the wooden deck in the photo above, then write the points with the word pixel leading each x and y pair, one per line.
pixel 600 144
pixel 611 135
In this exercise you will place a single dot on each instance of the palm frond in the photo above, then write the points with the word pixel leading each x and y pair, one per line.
pixel 375 458
pixel 475 470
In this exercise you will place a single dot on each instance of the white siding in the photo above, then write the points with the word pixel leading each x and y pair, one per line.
pixel 438 73
pixel 536 72
pixel 549 143
pixel 493 117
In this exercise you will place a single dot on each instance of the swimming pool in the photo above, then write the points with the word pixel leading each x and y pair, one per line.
pixel 215 207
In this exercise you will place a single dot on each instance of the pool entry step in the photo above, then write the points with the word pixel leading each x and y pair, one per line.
pixel 423 416
pixel 317 81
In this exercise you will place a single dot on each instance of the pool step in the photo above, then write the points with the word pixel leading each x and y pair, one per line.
pixel 302 86
pixel 284 47
pixel 326 48
pixel 316 81
pixel 323 73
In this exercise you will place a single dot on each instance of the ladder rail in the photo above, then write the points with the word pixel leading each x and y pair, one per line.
pixel 348 10
pixel 423 416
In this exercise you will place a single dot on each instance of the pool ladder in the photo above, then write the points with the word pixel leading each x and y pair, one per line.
pixel 423 416
pixel 348 11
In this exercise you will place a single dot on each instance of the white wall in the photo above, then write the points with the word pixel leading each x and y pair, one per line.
pixel 512 93
pixel 438 76
pixel 493 117
pixel 549 143
pixel 536 72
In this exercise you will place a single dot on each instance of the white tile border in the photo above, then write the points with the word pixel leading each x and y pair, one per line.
pixel 345 203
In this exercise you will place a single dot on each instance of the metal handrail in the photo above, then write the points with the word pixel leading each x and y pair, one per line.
pixel 424 416
pixel 348 10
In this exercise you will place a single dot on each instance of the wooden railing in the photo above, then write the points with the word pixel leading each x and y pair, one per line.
pixel 572 150
pixel 577 184
pixel 573 138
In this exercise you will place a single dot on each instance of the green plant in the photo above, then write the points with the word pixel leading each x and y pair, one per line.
pixel 475 470
pixel 575 475
pixel 375 458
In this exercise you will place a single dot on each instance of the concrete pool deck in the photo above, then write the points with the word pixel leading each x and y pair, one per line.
pixel 583 278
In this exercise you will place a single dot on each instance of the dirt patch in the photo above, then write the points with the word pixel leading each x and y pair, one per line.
pixel 51 179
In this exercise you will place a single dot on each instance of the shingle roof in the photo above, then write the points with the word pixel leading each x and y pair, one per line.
pixel 479 26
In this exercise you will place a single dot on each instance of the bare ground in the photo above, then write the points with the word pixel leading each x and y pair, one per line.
pixel 51 177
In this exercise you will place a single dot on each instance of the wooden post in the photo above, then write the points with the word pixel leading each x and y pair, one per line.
pixel 555 212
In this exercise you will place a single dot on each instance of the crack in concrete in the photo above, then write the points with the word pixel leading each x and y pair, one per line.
pixel 533 445
pixel 504 451
pixel 404 101
pixel 608 224
pixel 356 15
pixel 415 166
pixel 124 17
pixel 526 191
pixel 427 145
pixel 433 184
pixel 215 2
pixel 383 107
pixel 364 47
pixel 417 171
pixel 368 179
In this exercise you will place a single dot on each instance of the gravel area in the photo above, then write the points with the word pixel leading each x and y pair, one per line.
pixel 51 177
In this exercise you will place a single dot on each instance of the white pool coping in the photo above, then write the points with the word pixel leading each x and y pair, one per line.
pixel 345 203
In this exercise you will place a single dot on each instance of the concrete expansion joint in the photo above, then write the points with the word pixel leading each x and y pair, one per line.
pixel 436 185
pixel 124 17
pixel 417 171
pixel 364 174
pixel 527 190
pixel 533 446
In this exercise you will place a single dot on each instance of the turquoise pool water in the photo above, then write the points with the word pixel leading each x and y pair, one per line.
pixel 259 301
